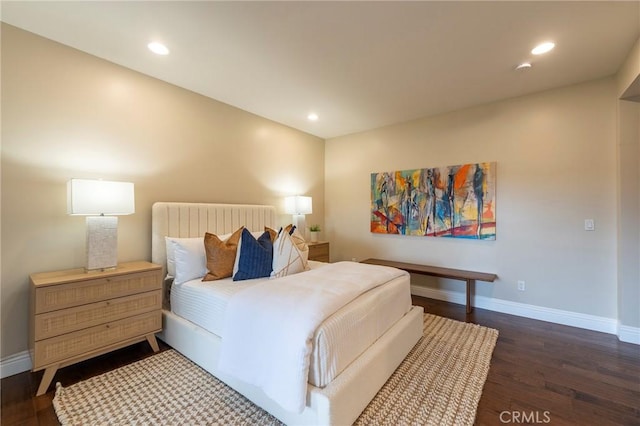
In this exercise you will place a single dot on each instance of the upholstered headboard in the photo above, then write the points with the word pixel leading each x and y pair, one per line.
pixel 194 219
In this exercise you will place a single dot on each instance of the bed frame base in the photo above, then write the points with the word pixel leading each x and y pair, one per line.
pixel 340 402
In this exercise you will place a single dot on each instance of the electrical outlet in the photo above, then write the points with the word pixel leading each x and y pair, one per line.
pixel 589 225
pixel 521 286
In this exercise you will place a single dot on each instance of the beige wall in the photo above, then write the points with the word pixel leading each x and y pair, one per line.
pixel 629 213
pixel 630 70
pixel 68 114
pixel 629 193
pixel 556 166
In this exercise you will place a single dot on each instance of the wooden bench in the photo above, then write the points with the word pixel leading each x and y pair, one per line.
pixel 457 274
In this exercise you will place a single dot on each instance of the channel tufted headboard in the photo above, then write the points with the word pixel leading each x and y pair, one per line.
pixel 186 220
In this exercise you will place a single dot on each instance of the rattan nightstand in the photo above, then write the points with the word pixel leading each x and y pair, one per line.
pixel 319 251
pixel 77 315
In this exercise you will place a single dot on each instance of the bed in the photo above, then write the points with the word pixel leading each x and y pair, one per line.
pixel 340 385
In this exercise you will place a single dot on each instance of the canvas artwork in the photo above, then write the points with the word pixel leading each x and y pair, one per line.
pixel 452 201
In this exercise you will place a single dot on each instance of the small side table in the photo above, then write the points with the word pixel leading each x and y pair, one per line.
pixel 319 251
pixel 77 315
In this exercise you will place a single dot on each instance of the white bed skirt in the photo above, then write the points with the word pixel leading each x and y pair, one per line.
pixel 340 402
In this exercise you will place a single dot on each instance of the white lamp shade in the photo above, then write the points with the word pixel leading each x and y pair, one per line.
pixel 298 204
pixel 95 197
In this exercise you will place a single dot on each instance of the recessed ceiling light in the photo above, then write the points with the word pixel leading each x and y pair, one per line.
pixel 524 66
pixel 313 116
pixel 543 48
pixel 158 48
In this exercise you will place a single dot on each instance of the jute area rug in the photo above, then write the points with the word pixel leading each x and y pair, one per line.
pixel 439 383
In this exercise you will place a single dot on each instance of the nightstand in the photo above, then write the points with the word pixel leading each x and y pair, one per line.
pixel 319 251
pixel 77 315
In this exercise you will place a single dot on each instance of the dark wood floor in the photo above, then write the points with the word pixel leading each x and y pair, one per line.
pixel 541 373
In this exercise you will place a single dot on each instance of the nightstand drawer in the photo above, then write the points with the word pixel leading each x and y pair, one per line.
pixel 74 344
pixel 319 251
pixel 51 298
pixel 54 323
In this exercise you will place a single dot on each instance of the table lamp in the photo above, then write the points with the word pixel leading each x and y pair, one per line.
pixel 298 206
pixel 101 201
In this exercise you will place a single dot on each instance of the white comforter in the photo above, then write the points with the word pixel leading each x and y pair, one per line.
pixel 269 327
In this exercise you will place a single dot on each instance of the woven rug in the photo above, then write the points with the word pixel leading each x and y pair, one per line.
pixel 439 383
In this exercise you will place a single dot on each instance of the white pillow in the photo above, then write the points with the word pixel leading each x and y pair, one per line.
pixel 290 254
pixel 190 259
pixel 171 257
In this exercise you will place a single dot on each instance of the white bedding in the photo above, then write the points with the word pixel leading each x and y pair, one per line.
pixel 335 345
pixel 269 327
pixel 205 302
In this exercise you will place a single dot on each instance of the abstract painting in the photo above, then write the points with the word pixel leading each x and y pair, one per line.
pixel 452 201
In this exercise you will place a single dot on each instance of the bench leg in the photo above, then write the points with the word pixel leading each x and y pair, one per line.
pixel 470 284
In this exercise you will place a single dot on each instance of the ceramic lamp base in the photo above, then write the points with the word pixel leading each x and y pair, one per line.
pixel 102 243
pixel 299 220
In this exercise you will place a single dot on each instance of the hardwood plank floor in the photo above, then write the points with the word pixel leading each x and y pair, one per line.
pixel 541 373
pixel 547 373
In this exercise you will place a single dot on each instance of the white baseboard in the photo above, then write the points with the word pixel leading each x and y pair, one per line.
pixel 629 334
pixel 14 364
pixel 573 319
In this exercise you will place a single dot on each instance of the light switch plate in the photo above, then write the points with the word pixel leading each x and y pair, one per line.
pixel 589 225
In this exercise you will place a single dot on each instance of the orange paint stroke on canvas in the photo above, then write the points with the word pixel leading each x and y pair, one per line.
pixel 461 176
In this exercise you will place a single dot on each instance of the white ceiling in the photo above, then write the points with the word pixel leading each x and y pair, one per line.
pixel 358 65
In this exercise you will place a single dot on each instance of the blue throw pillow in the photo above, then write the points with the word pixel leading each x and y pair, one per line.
pixel 255 256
